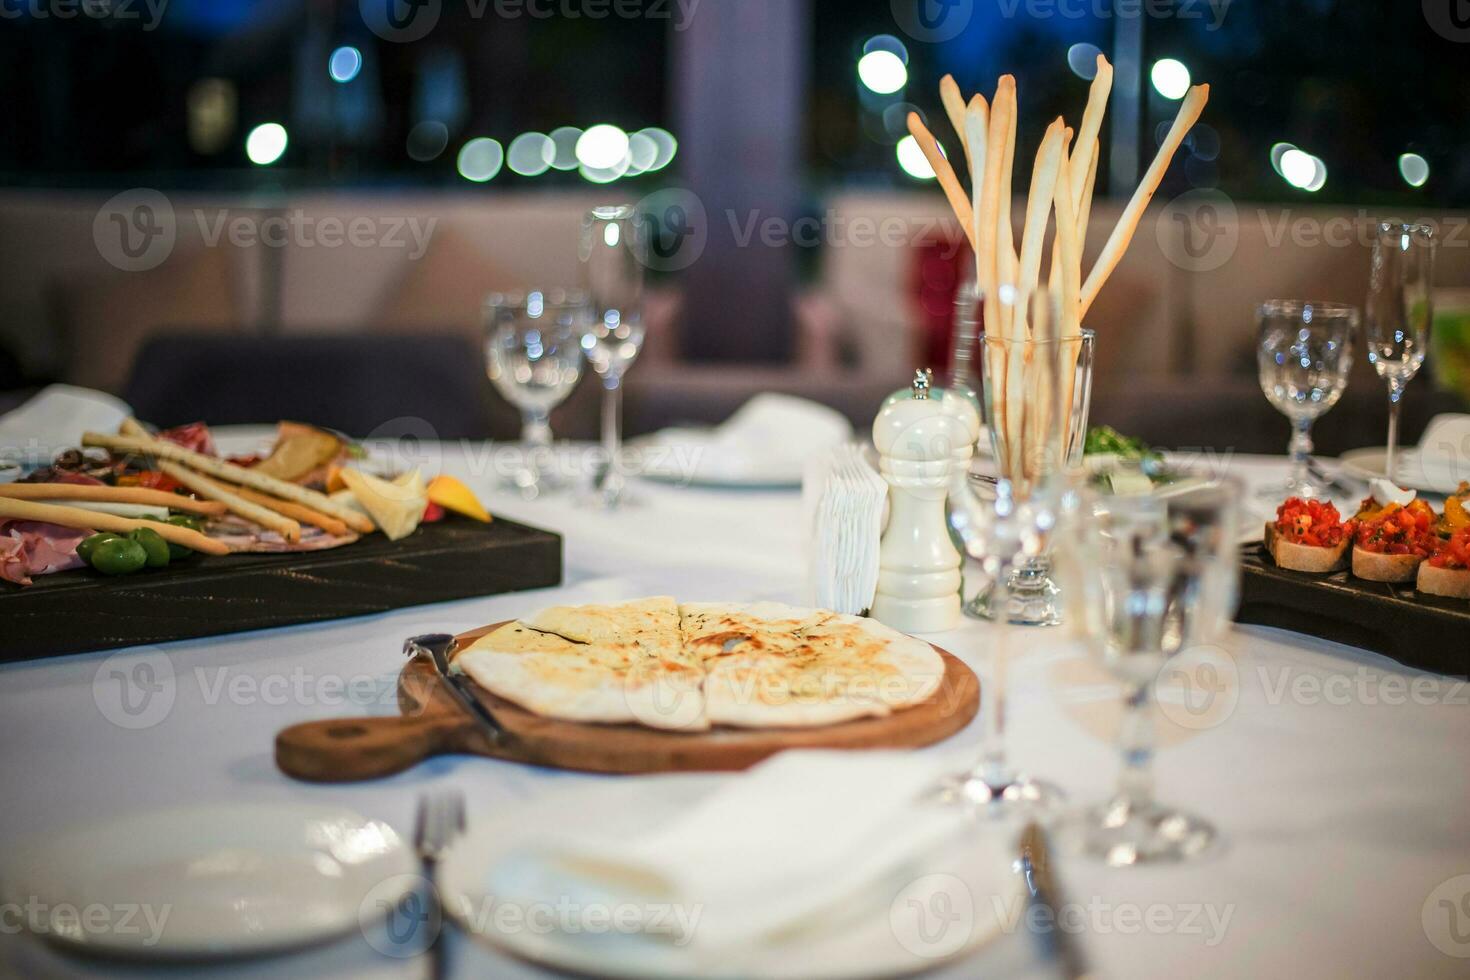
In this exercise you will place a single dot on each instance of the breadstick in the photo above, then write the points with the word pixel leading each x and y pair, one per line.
pixel 1084 212
pixel 1006 261
pixel 297 512
pixel 977 126
pixel 947 179
pixel 203 485
pixel 987 203
pixel 87 520
pixel 1038 205
pixel 111 495
pixel 954 107
pixel 231 473
pixel 1087 133
pixel 1122 236
pixel 1068 252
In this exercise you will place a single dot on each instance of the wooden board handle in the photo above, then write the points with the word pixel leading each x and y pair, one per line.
pixel 346 750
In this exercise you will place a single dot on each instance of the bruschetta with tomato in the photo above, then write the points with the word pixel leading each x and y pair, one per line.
pixel 1448 572
pixel 1392 540
pixel 1309 536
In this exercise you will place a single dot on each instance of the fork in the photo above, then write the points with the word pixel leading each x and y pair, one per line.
pixel 440 820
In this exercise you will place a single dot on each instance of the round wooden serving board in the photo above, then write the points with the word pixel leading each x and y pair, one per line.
pixel 432 723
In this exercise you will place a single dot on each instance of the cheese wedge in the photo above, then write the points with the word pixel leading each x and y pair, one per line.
pixel 396 507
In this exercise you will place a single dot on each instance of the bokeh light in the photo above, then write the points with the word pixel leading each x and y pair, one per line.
pixel 1082 59
pixel 530 154
pixel 883 72
pixel 913 161
pixel 1414 169
pixel 266 144
pixel 1170 78
pixel 1302 170
pixel 603 147
pixel 564 143
pixel 666 144
pixel 481 159
pixel 427 140
pixel 344 64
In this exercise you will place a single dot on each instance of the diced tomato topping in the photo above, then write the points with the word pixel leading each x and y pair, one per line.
pixel 1454 553
pixel 1310 522
pixel 1396 530
pixel 433 514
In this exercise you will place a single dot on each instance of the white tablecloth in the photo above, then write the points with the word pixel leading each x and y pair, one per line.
pixel 1340 786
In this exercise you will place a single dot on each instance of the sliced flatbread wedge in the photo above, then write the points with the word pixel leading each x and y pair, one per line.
pixel 612 623
pixel 638 682
pixel 841 669
pixel 713 629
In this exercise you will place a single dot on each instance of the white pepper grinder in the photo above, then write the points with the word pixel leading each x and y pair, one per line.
pixel 919 567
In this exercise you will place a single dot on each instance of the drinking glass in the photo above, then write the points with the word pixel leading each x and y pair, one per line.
pixel 533 352
pixel 1147 577
pixel 1304 353
pixel 1037 393
pixel 613 259
pixel 1003 535
pixel 1400 311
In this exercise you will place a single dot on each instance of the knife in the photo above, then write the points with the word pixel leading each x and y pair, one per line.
pixel 436 647
pixel 1056 943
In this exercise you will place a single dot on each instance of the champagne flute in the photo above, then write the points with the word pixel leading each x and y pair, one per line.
pixel 1303 355
pixel 533 353
pixel 1146 578
pixel 1400 311
pixel 613 259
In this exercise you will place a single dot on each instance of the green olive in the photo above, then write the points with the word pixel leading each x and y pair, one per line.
pixel 177 551
pixel 84 550
pixel 154 545
pixel 119 556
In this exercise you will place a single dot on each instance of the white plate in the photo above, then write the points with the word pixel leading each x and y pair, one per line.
pixel 873 934
pixel 209 881
pixel 1368 464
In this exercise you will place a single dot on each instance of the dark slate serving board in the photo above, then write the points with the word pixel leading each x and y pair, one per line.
pixel 78 611
pixel 1426 632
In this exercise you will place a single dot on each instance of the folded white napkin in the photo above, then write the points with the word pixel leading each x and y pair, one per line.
pixel 54 420
pixel 1444 452
pixel 769 439
pixel 842 500
pixel 790 839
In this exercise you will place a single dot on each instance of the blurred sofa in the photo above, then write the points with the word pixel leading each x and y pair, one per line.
pixel 1175 322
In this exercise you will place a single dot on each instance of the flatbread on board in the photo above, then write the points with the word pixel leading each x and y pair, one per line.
pixel 688 667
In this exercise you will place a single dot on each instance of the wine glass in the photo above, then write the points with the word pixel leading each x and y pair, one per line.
pixel 1003 534
pixel 613 259
pixel 1400 310
pixel 1147 577
pixel 533 352
pixel 1304 352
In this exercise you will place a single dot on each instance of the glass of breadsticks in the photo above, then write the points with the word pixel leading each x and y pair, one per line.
pixel 1034 354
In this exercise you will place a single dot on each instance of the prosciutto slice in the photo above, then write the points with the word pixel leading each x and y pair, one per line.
pixel 28 549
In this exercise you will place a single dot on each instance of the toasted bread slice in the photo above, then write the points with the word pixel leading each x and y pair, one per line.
pixel 1305 557
pixel 1452 583
pixel 1375 567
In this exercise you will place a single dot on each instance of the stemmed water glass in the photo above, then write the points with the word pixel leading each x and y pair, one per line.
pixel 533 352
pixel 1304 352
pixel 613 259
pixel 1002 534
pixel 1400 311
pixel 1145 578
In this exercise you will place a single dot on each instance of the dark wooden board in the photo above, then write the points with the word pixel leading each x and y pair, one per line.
pixel 1421 631
pixel 78 611
pixel 432 723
